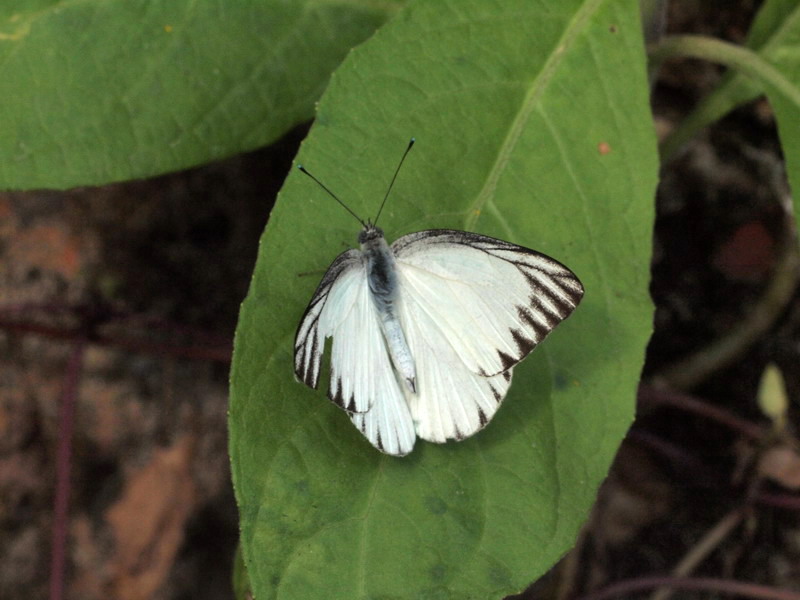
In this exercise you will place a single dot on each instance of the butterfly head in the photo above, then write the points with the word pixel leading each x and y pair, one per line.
pixel 369 233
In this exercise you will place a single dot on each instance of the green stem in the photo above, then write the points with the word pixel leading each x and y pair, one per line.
pixel 735 57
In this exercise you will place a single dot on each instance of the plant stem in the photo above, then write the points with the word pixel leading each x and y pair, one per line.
pixel 700 551
pixel 738 58
pixel 652 395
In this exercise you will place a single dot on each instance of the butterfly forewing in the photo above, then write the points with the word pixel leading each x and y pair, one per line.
pixel 362 380
pixel 341 308
pixel 492 300
pixel 309 340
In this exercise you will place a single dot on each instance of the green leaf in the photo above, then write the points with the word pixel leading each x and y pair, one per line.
pixel 787 116
pixel 783 17
pixel 532 125
pixel 99 90
pixel 775 35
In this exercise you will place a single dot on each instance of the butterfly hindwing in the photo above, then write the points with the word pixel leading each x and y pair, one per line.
pixel 388 424
pixel 452 401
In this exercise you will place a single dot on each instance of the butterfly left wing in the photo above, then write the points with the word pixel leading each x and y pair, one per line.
pixel 341 308
pixel 473 307
pixel 335 295
pixel 362 380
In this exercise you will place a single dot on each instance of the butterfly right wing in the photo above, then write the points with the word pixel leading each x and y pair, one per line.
pixel 493 300
pixel 472 307
pixel 363 381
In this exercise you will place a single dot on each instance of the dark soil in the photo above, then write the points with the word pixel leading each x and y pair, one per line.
pixel 133 291
pixel 147 277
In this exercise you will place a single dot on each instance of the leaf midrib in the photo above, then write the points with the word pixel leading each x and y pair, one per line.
pixel 537 88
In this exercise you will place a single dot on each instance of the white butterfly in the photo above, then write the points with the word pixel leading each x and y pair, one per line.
pixel 427 331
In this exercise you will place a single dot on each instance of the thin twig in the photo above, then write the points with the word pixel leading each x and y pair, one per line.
pixel 679 457
pixel 623 589
pixel 220 353
pixel 787 501
pixel 66 426
pixel 700 551
pixel 688 403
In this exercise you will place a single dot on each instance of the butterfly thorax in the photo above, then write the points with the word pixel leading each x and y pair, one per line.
pixel 381 273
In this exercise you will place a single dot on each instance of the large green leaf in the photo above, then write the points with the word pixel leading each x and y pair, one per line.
pixel 533 125
pixel 775 35
pixel 101 90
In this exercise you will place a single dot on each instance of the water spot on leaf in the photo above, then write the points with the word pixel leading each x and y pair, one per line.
pixel 435 505
pixel 500 575
pixel 438 571
pixel 560 381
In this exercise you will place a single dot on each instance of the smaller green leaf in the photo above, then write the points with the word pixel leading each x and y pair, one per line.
pixel 98 91
pixel 787 116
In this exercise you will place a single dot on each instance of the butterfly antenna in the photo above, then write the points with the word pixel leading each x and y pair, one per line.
pixel 408 149
pixel 334 196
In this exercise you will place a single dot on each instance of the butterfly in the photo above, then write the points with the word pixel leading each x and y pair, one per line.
pixel 426 331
